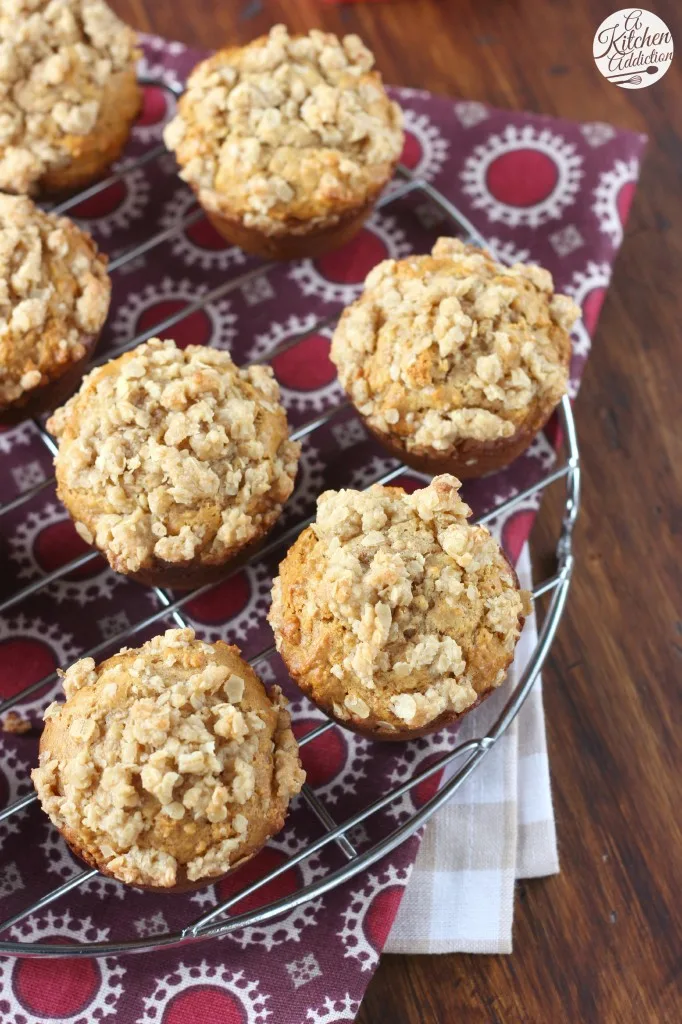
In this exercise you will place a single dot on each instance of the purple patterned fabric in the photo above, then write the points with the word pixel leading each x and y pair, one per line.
pixel 538 188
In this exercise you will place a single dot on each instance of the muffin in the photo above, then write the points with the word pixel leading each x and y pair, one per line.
pixel 174 461
pixel 287 142
pixel 453 360
pixel 167 766
pixel 392 613
pixel 54 299
pixel 68 89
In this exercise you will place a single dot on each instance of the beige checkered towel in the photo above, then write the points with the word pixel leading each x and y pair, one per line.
pixel 499 826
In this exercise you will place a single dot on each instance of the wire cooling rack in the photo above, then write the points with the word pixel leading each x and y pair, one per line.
pixel 217 921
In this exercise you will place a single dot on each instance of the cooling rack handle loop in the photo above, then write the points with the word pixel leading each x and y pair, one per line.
pixel 564 549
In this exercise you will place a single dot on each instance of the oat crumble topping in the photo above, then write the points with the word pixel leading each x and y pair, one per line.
pixel 392 605
pixel 167 757
pixel 287 129
pixel 15 723
pixel 54 289
pixel 453 346
pixel 56 58
pixel 174 454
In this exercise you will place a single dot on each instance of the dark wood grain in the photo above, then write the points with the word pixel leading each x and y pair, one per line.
pixel 602 942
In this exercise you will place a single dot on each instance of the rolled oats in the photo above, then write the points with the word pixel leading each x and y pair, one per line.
pixel 54 295
pixel 142 738
pixel 174 454
pixel 56 58
pixel 392 605
pixel 454 346
pixel 287 129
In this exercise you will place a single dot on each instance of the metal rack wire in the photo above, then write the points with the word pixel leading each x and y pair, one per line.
pixel 216 922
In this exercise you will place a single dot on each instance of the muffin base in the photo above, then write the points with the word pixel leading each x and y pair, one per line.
pixel 469 458
pixel 47 397
pixel 292 246
pixel 91 156
pixel 190 576
pixel 183 886
pixel 372 726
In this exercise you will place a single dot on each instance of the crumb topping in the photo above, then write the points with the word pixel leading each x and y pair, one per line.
pixel 286 129
pixel 452 346
pixel 56 59
pixel 15 723
pixel 54 289
pixel 174 454
pixel 167 757
pixel 391 605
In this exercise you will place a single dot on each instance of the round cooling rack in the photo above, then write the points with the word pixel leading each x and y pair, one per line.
pixel 468 755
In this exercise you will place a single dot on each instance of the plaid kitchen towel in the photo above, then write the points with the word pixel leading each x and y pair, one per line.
pixel 538 188
pixel 498 827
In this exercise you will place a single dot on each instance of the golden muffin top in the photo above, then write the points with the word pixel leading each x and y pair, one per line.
pixel 286 129
pixel 454 345
pixel 56 60
pixel 54 294
pixel 391 605
pixel 174 454
pixel 168 757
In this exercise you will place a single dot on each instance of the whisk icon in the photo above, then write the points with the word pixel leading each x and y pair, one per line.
pixel 634 79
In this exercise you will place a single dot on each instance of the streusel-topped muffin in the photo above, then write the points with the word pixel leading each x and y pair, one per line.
pixel 288 141
pixel 167 766
pixel 54 299
pixel 392 613
pixel 171 461
pixel 68 92
pixel 455 361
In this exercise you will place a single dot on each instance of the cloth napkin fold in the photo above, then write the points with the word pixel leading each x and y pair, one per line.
pixel 498 827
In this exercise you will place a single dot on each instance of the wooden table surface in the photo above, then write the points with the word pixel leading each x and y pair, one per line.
pixel 602 941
